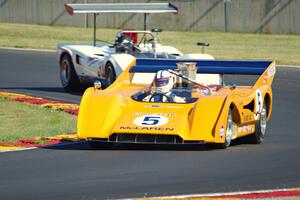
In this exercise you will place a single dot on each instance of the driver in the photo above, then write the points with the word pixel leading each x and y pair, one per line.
pixel 164 81
pixel 124 44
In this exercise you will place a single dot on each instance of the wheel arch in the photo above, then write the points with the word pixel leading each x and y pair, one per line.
pixel 236 117
pixel 120 62
pixel 268 101
pixel 112 64
pixel 72 80
pixel 70 54
pixel 106 85
pixel 64 52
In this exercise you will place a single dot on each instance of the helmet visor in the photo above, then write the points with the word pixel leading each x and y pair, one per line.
pixel 162 82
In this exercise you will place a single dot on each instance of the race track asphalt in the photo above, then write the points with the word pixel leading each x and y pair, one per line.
pixel 76 172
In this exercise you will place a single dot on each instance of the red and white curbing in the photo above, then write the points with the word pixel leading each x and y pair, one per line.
pixel 70 108
pixel 258 194
pixel 31 143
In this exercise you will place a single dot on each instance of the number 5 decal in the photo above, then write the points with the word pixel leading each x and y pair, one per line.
pixel 151 120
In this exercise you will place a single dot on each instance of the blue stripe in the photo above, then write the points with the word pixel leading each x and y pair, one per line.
pixel 204 66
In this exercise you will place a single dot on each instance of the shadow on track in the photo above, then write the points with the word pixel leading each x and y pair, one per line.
pixel 84 146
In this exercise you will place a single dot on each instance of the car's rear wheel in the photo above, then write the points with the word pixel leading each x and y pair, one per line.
pixel 110 74
pixel 228 133
pixel 68 76
pixel 260 127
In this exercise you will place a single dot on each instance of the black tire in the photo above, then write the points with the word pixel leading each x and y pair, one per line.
pixel 110 74
pixel 68 76
pixel 260 127
pixel 228 132
pixel 100 145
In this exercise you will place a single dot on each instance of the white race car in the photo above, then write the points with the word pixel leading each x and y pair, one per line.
pixel 84 64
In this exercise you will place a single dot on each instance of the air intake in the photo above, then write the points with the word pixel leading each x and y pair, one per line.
pixel 146 138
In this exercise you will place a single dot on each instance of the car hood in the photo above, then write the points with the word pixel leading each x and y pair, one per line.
pixel 154 118
pixel 88 50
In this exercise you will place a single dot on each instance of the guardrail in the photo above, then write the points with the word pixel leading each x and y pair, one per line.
pixel 280 16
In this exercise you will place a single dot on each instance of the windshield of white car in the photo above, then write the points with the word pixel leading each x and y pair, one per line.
pixel 154 55
pixel 105 42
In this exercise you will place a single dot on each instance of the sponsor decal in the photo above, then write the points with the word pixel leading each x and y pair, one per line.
pixel 222 131
pixel 91 60
pixel 247 118
pixel 272 70
pixel 245 128
pixel 162 106
pixel 258 103
pixel 151 120
pixel 265 78
pixel 145 128
pixel 174 107
pixel 154 106
pixel 151 114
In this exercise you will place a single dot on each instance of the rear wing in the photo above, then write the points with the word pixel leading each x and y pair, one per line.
pixel 204 66
pixel 135 8
pixel 97 8
pixel 266 69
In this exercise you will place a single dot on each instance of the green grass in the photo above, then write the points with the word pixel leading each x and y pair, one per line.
pixel 285 49
pixel 20 121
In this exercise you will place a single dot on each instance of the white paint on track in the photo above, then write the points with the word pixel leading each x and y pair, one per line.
pixel 291 66
pixel 219 194
pixel 27 49
pixel 15 150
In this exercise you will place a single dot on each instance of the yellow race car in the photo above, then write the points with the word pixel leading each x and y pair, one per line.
pixel 200 108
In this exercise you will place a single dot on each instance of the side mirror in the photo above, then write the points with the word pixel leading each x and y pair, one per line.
pixel 97 85
pixel 156 30
pixel 232 86
pixel 202 44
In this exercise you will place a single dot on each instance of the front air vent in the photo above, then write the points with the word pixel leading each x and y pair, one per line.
pixel 145 138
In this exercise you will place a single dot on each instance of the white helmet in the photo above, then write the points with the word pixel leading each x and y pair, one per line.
pixel 164 81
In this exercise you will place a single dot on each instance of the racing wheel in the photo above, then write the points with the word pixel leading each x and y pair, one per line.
pixel 161 97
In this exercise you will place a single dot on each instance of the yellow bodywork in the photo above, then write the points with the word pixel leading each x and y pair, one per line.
pixel 111 111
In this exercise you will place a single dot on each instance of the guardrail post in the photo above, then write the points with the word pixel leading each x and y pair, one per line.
pixel 145 21
pixel 86 17
pixel 94 43
pixel 226 15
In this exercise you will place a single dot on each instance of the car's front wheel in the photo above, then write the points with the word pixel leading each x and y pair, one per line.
pixel 228 133
pixel 110 75
pixel 68 76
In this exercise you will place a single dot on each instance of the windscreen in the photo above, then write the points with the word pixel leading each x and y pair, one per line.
pixel 175 95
